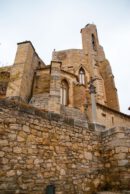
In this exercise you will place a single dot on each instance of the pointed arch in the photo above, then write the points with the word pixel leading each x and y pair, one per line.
pixel 81 75
pixel 64 92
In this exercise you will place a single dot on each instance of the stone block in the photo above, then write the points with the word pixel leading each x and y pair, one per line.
pixel 12 137
pixel 62 172
pixel 120 135
pixel 17 150
pixel 121 149
pixel 4 143
pixel 11 173
pixel 2 154
pixel 122 162
pixel 88 155
pixel 26 129
pixel 20 139
pixel 120 156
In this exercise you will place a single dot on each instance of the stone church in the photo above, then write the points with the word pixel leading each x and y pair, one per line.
pixel 63 86
pixel 61 124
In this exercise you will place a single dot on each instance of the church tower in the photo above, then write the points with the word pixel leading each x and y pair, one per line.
pixel 99 68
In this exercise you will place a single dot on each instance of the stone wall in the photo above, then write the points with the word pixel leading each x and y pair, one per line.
pixel 80 97
pixel 71 59
pixel 76 114
pixel 55 86
pixel 116 157
pixel 40 148
pixel 111 118
pixel 4 80
pixel 40 101
pixel 42 81
pixel 109 83
pixel 71 79
pixel 22 72
pixel 94 63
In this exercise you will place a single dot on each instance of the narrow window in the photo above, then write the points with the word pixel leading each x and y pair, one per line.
pixel 64 93
pixel 112 120
pixel 81 76
pixel 93 42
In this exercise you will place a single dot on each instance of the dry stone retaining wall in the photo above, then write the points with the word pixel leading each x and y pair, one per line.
pixel 116 157
pixel 40 150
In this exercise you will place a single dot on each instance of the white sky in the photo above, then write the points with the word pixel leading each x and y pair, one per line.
pixel 50 24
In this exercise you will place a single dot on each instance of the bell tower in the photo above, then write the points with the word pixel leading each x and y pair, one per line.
pixel 91 44
pixel 99 68
pixel 90 39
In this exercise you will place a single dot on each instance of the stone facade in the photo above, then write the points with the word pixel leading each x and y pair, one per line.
pixel 31 81
pixel 56 130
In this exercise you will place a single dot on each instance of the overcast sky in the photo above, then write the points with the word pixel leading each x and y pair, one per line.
pixel 50 24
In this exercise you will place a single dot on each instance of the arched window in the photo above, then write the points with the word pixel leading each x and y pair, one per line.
pixel 81 76
pixel 64 93
pixel 93 42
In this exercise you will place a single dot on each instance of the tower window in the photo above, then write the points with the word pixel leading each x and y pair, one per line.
pixel 64 93
pixel 112 120
pixel 93 42
pixel 81 76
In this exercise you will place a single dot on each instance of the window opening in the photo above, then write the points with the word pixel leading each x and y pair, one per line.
pixel 64 93
pixel 93 42
pixel 81 76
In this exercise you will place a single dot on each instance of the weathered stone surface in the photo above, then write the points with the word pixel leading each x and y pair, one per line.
pixel 26 128
pixel 5 160
pixel 12 137
pixel 62 172
pixel 120 156
pixel 107 165
pixel 15 126
pixel 88 155
pixel 19 172
pixel 121 149
pixel 44 151
pixel 122 162
pixel 20 139
pixel 17 150
pixel 2 154
pixel 3 143
pixel 10 173
pixel 116 157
